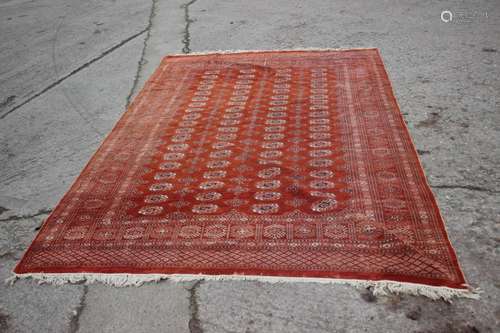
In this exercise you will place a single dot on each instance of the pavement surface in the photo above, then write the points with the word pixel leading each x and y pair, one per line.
pixel 68 68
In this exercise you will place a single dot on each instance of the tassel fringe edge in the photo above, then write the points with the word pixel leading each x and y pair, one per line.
pixel 312 49
pixel 379 288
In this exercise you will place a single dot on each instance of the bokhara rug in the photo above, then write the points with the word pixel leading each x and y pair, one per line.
pixel 284 164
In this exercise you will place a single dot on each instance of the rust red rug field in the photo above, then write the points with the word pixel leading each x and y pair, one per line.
pixel 286 163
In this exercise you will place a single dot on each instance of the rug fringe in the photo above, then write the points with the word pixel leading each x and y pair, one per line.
pixel 312 49
pixel 379 288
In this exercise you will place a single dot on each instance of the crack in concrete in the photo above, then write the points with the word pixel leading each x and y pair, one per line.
pixel 74 324
pixel 221 329
pixel 73 72
pixel 6 102
pixel 368 296
pixel 142 60
pixel 194 322
pixel 4 320
pixel 423 152
pixel 24 217
pixel 68 99
pixel 187 35
pixel 466 187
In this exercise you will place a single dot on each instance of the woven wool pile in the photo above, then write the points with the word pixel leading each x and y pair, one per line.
pixel 255 165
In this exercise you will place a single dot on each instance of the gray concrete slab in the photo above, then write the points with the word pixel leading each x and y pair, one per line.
pixel 45 40
pixel 29 307
pixel 50 139
pixel 151 308
pixel 68 68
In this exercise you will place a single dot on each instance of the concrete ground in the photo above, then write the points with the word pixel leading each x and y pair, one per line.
pixel 69 67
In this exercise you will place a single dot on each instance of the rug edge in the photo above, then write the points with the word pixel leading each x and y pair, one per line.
pixel 451 248
pixel 380 287
pixel 137 99
pixel 239 51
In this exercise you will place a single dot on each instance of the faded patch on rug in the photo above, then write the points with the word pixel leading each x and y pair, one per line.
pixel 271 165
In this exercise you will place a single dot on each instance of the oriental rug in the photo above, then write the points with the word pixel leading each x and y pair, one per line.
pixel 272 165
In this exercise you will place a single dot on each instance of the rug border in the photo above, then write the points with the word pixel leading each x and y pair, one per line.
pixel 426 181
pixel 125 279
pixel 128 110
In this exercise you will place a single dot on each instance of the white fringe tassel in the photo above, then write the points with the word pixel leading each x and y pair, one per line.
pixel 380 288
pixel 310 49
